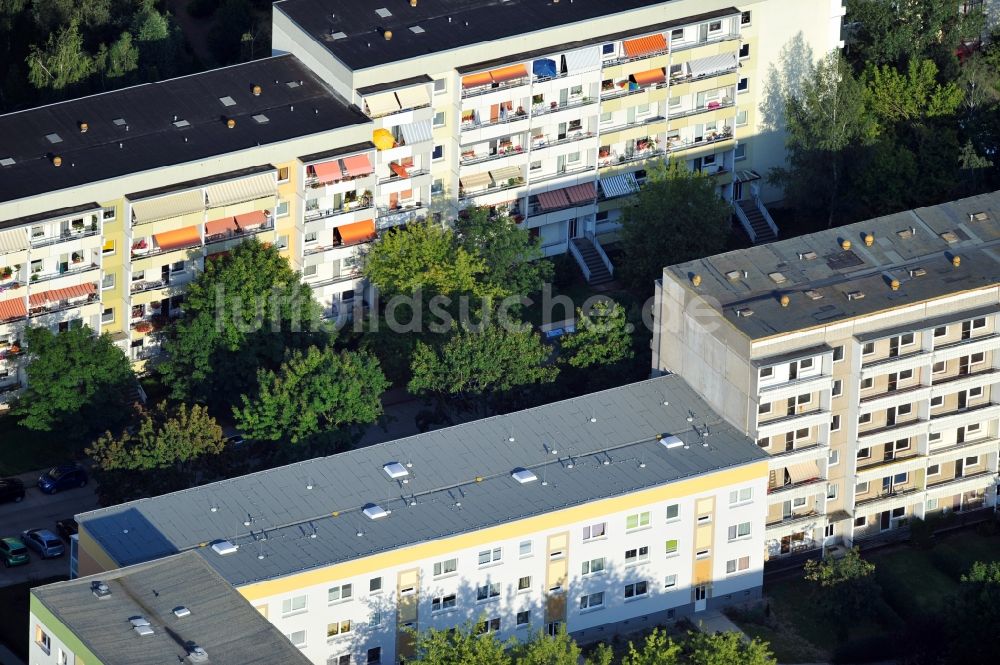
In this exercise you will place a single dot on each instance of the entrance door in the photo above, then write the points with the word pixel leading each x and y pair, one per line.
pixel 890 417
pixel 960 435
pixel 700 597
pixel 737 191
pixel 884 520
pixel 574 228
pixel 959 466
pixel 893 347
pixel 786 510
pixel 165 274
pixel 966 329
pixel 893 378
pixel 963 399
pixel 963 365
pixel 790 407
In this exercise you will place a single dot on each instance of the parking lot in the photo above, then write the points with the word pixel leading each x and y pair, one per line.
pixel 41 511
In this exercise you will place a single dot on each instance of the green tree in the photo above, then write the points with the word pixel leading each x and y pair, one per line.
pixel 677 216
pixel 603 336
pixel 119 61
pixel 512 259
pixel 844 586
pixel 544 649
pixel 241 313
pixel 657 649
pixel 826 119
pixel 470 363
pixel 894 97
pixel 78 383
pixel 311 392
pixel 62 62
pixel 423 256
pixel 726 649
pixel 463 645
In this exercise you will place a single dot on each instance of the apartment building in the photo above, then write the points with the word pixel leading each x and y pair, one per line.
pixel 633 505
pixel 173 610
pixel 552 112
pixel 862 359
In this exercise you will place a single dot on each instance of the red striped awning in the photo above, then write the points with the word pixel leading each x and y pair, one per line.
pixel 251 220
pixel 12 308
pixel 328 171
pixel 585 193
pixel 554 199
pixel 58 295
pixel 220 226
pixel 357 165
pixel 635 48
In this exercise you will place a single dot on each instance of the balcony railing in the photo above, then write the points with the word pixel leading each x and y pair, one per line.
pixel 712 39
pixel 792 520
pixel 679 80
pixel 577 136
pixel 77 269
pixel 313 181
pixel 63 306
pixel 477 92
pixel 409 174
pixel 637 156
pixel 724 104
pixel 542 109
pixel 677 145
pixel 325 213
pixel 561 174
pixel 518 182
pixel 788 487
pixel 65 236
pixel 615 93
pixel 342 277
pixel 645 56
pixel 883 496
pixel 239 233
pixel 511 116
pixel 499 154
pixel 392 216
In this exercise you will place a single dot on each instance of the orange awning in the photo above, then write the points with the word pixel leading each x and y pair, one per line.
pixel 476 80
pixel 399 170
pixel 58 295
pixel 185 237
pixel 251 220
pixel 357 232
pixel 635 48
pixel 585 193
pixel 357 165
pixel 12 309
pixel 508 73
pixel 328 171
pixel 649 77
pixel 220 226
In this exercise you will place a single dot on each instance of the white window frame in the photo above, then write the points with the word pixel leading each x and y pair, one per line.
pixel 642 521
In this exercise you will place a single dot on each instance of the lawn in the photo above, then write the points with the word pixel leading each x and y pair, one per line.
pixel 24 450
pixel 15 601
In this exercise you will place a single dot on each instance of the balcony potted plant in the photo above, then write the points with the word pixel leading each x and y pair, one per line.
pixel 140 246
pixel 77 257
pixel 6 272
pixel 144 327
pixel 15 348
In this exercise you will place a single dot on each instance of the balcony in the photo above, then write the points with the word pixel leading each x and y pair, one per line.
pixel 957 418
pixel 887 501
pixel 470 157
pixel 795 523
pixel 62 305
pixel 795 387
pixel 330 281
pixel 66 236
pixel 614 159
pixel 964 449
pixel 791 422
pixel 76 269
pixel 975 344
pixel 971 482
pixel 326 213
pixel 785 458
pixel 726 103
pixel 913 360
pixel 899 430
pixel 890 398
pixel 241 232
pixel 507 78
pixel 677 145
pixel 401 215
pixel 402 173
pixel 800 490
pixel 494 187
pixel 614 92
pixel 711 39
pixel 882 468
pixel 555 107
pixel 536 179
pixel 546 143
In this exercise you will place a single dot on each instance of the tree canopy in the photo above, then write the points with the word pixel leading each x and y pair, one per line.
pixel 603 336
pixel 844 585
pixel 512 259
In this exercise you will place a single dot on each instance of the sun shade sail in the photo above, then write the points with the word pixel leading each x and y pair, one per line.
pixel 185 237
pixel 357 165
pixel 584 60
pixel 58 295
pixel 475 180
pixel 383 139
pixel 801 472
pixel 544 68
pixel 412 98
pixel 220 226
pixel 622 184
pixel 584 193
pixel 476 80
pixel 635 48
pixel 13 241
pixel 381 104
pixel 506 173
pixel 328 171
pixel 714 63
pixel 552 200
pixel 505 74
pixel 649 77
pixel 151 210
pixel 12 308
pixel 244 189
pixel 251 220
pixel 357 231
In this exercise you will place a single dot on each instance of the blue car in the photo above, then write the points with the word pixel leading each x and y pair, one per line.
pixel 43 541
pixel 62 477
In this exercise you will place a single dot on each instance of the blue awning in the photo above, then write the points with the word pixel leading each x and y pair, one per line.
pixel 622 184
pixel 544 68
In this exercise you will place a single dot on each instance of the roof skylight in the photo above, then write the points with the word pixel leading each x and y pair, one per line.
pixel 383 12
pixel 523 476
pixel 671 441
pixel 227 101
pixel 395 470
pixel 373 511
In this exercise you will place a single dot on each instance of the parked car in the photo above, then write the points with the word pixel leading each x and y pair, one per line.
pixel 13 552
pixel 67 528
pixel 11 489
pixel 43 541
pixel 62 477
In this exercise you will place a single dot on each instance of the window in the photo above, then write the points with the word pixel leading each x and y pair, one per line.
pixel 906 339
pixel 829 531
pixel 488 626
pixel 438 153
pixel 636 589
pixel 43 640
pixel 742 118
pixel 109 213
pixel 339 594
pixel 932 504
pixel 864 418
pixel 440 85
pixel 310 237
pixel 282 242
pixel 745 18
pixel 741 530
pixel 592 567
pixel 743 85
pixel 108 247
pixel 831 491
pixel 524 583
pixel 637 521
pixel 487 557
pixel 833 458
pixel 933 469
pixel 606 117
pixel 375 585
pixel 702 554
pixel 838 353
pixel 108 315
pixel 741 152
pixel 293 605
pixel 309 271
pixel 868 349
pixel 802 433
pixel 979 323
pixel 298 638
pixel 108 282
pixel 766 372
pixel 939 367
pixel 735 565
pixel 867 383
pixel 977 358
pixel 715 26
pixel 437 186
pixel 744 51
pixel 798 502
pixel 859 521
pixel 764 442
pixel 905 375
pixel 376 619
pixel 338 628
pixel 488 591
pixel 339 660
pixel 802 400
pixel 636 555
pixel 974 427
pixel 534 166
pixel 972 461
pixel 523 618
pixel 592 601
pixel 941 331
pixel 835 423
pixel 281 210
pixel 670 582
pixel 283 174
pixel 899 512
pixel 439 119
pixel 524 549
pixel 861 488
pixel 904 409
pixel 740 496
pixel 374 655
pixel 573 157
pixel 934 437
pixel 764 408
pixel 595 530
pixel 673 512
pixel 677 35
pixel 900 478
pixel 864 453
pixel 671 547
pixel 443 603
pixel 445 567
pixel 608 49
pixel 975 392
pixel 806 363
pixel 937 401
pixel 838 387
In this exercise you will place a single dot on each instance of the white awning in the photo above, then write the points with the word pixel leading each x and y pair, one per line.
pixel 475 180
pixel 622 184
pixel 162 207
pixel 417 132
pixel 584 60
pixel 713 63
pixel 383 103
pixel 14 240
pixel 804 471
pixel 412 98
pixel 244 189
pixel 505 173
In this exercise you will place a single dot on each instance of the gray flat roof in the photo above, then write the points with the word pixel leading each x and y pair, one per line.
pixel 460 481
pixel 447 24
pixel 926 239
pixel 221 622
pixel 133 129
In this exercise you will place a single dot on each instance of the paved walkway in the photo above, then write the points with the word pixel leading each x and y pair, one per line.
pixel 714 621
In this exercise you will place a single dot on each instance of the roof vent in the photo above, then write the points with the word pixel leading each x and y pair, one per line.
pixel 337 35
pixel 7 161
pixel 417 30
pixel 395 470
pixel 57 161
pixel 224 547
pixel 181 612
pixel 813 294
pixel 54 138
pixel 383 12
pixel 671 441
pixel 387 34
pixel 84 127
pixel 197 655
pixel 227 101
pixel 869 239
pixel 744 312
pixel 375 512
pixel 733 275
pixel 181 123
pixel 696 279
pixel 777 277
pixel 784 300
pixel 917 272
pixel 949 237
pixel 230 123
pixel 807 256
pixel 894 285
pixel 979 216
pixel 855 295
pixel 141 626
pixel 261 119
pixel 845 244
pixel 956 260
pixel 523 476
pixel 119 122
pixel 100 589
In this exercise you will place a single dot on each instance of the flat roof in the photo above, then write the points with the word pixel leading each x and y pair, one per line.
pixel 445 24
pixel 309 515
pixel 221 621
pixel 134 129
pixel 915 247
pixel 52 214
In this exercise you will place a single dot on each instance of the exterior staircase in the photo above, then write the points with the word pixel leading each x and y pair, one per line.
pixel 592 260
pixel 757 217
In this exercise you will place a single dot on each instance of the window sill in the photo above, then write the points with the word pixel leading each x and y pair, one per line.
pixel 445 576
pixel 635 598
pixel 629 564
pixel 588 610
pixel 491 564
pixel 638 529
pixel 331 603
pixel 594 539
pixel 673 555
pixel 487 600
pixel 293 614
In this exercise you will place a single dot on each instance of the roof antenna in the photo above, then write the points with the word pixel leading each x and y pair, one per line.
pixel 309 483
pixel 260 549
pixel 511 437
pixel 593 414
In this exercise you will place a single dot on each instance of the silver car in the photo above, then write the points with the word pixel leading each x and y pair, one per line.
pixel 43 541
